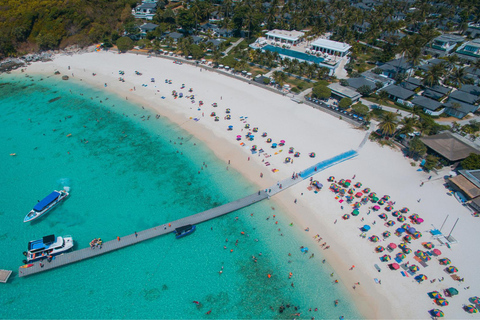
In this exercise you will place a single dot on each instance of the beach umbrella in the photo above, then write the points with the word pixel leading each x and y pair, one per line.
pixel 350 191
pixel 401 219
pixel 404 210
pixel 437 313
pixel 282 142
pixel 411 230
pixel 366 227
pixel 264 134
pixel 331 178
pixel 358 185
pixel 475 299
pixel 437 252
pixel 445 261
pixel 376 208
pixel 386 258
pixel 400 230
pixel 274 145
pixel 297 154
pixel 421 277
pixel 407 238
pixel 414 268
pixel 470 309
pixel 381 202
pixel 391 223
pixel 358 194
pixel 374 239
pixel 311 154
pixel 230 128
pixel 419 220
pixel 388 208
pixel 400 256
pixel 402 245
pixel 406 250
pixel 427 245
pixel 288 159
pixel 383 216
pixel 414 216
pixel 427 258
pixel 373 194
pixel 406 226
pixel 435 295
pixel 395 266
pixel 396 213
pixel 355 212
pixel 392 245
pixel 451 269
pixel 417 235
pixel 386 197
pixel 379 249
pixel 420 253
pixel 349 198
pixel 386 234
pixel 452 291
pixel 346 216
pixel 269 140
pixel 291 149
pixel 366 190
pixel 357 205
pixel 441 302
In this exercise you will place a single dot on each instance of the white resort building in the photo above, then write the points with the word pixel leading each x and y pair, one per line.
pixel 284 36
pixel 339 49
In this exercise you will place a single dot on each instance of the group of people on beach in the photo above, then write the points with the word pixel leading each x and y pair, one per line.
pixel 97 242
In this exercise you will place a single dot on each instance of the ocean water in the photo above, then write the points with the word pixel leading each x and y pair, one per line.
pixel 129 171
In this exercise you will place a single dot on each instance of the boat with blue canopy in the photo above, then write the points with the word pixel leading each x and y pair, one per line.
pixel 46 204
pixel 184 231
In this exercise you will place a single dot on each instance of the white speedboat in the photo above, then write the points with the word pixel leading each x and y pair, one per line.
pixel 47 248
pixel 48 203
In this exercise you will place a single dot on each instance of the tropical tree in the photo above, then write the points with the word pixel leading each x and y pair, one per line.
pixel 472 162
pixel 360 109
pixel 416 147
pixel 434 75
pixel 124 44
pixel 408 125
pixel 365 90
pixel 321 92
pixel 459 76
pixel 345 103
pixel 388 123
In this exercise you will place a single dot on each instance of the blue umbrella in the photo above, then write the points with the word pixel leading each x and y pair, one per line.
pixel 366 227
pixel 400 230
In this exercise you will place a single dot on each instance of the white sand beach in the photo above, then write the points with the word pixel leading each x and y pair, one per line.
pixel 385 171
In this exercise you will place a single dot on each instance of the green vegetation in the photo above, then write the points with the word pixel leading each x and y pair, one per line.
pixel 472 162
pixel 345 103
pixel 360 109
pixel 124 44
pixel 321 92
pixel 416 148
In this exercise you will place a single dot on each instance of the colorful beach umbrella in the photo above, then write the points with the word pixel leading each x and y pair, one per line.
pixel 414 268
pixel 379 249
pixel 420 253
pixel 350 191
pixel 373 194
pixel 386 258
pixel 435 295
pixel 452 269
pixel 386 234
pixel 383 216
pixel 417 235
pixel 358 185
pixel 401 219
pixel 390 223
pixel 475 300
pixel 437 313
pixel 404 210
pixel 407 238
pixel 396 213
pixel 421 277
pixel 401 256
pixel 406 226
pixel 331 178
pixel 470 309
pixel 388 208
pixel 441 302
pixel 445 261
pixel 452 291
pixel 386 197
pixel 437 252
pixel 406 250
pixel 427 245
pixel 346 216
pixel 381 202
pixel 366 190
pixel 395 266
pixel 355 213
pixel 374 238
pixel 414 216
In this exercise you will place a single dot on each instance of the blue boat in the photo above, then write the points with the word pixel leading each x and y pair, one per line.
pixel 46 205
pixel 47 248
pixel 184 231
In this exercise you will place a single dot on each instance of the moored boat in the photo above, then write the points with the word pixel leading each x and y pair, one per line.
pixel 47 247
pixel 184 231
pixel 46 204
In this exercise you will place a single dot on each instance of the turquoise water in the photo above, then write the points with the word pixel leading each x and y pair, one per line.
pixel 294 54
pixel 127 174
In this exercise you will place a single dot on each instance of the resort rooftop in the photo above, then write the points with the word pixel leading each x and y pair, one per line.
pixel 285 34
pixel 331 45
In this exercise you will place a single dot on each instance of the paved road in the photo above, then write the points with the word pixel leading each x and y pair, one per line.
pixel 236 43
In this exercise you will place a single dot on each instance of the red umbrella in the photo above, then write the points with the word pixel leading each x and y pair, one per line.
pixel 392 245
pixel 437 252
pixel 395 266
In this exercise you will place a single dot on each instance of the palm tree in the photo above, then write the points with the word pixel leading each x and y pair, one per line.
pixel 408 125
pixel 434 74
pixel 388 125
pixel 459 76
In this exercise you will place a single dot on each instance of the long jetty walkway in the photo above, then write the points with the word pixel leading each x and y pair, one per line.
pixel 169 227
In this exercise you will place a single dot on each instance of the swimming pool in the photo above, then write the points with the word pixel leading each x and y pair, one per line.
pixel 294 54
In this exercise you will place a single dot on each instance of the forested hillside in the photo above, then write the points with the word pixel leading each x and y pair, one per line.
pixel 29 25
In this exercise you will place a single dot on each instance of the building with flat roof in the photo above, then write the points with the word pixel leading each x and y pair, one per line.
pixel 340 92
pixel 284 36
pixel 336 48
pixel 443 45
pixel 469 50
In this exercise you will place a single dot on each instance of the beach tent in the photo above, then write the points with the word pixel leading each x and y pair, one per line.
pixel 437 313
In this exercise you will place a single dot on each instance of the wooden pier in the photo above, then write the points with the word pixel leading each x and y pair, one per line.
pixel 169 227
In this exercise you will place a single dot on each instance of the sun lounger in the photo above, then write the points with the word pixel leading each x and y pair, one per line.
pixel 455 277
pixel 377 267
pixel 422 263
pixel 267 163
